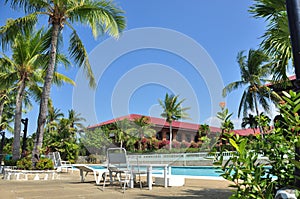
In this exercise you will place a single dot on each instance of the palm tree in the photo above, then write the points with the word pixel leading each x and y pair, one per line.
pixel 142 127
pixel 101 16
pixel 254 68
pixel 250 121
pixel 172 111
pixel 276 40
pixel 203 130
pixel 25 73
pixel 121 130
pixel 75 119
pixel 53 117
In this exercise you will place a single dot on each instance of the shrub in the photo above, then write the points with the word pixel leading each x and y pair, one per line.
pixel 10 162
pixel 175 144
pixel 192 150
pixel 248 175
pixel 164 144
pixel 194 145
pixel 44 164
pixel 25 164
pixel 154 144
pixel 185 144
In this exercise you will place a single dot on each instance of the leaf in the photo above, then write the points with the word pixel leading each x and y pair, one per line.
pixel 234 144
pixel 296 163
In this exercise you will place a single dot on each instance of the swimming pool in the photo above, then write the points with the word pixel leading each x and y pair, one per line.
pixel 208 171
pixel 196 171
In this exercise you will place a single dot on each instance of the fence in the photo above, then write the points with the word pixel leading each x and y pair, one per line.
pixel 180 159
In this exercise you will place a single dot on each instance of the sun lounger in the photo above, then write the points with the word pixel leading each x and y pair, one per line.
pixel 84 168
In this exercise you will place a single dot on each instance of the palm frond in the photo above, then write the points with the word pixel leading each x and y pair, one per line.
pixel 59 79
pixel 28 6
pixel 232 86
pixel 80 56
pixel 12 28
pixel 101 16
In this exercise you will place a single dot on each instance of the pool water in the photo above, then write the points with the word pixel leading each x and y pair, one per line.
pixel 207 171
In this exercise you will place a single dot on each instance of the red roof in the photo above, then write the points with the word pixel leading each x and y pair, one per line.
pixel 160 122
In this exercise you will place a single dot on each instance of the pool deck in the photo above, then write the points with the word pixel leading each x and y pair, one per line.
pixel 69 186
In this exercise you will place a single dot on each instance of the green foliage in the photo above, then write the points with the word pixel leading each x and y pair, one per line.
pixel 10 162
pixel 25 164
pixel 94 140
pixel 276 39
pixel 249 176
pixel 44 164
pixel 60 136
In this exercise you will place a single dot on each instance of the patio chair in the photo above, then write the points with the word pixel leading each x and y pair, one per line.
pixel 59 164
pixel 118 167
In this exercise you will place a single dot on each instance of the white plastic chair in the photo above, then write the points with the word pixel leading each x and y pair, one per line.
pixel 118 167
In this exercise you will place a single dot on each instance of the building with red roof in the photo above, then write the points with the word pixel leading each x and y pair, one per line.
pixel 182 131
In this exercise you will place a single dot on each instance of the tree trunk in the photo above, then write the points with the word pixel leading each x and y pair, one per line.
pixel 2 145
pixel 257 113
pixel 17 124
pixel 1 109
pixel 46 94
pixel 171 135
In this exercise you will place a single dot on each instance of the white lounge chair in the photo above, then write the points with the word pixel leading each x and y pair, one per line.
pixel 98 173
pixel 59 164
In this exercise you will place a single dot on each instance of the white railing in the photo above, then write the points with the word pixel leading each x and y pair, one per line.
pixel 174 158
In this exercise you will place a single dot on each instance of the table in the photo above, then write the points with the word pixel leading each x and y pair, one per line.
pixel 149 173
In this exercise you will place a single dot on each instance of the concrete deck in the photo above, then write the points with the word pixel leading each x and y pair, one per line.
pixel 69 186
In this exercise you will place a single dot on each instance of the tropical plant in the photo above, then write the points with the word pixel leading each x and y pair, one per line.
pixel 75 120
pixel 250 179
pixel 249 175
pixel 120 130
pixel 53 117
pixel 263 122
pixel 24 164
pixel 142 127
pixel 25 73
pixel 63 140
pixel 250 122
pixel 226 123
pixel 44 164
pixel 254 69
pixel 276 40
pixel 172 111
pixel 203 130
pixel 101 16
pixel 95 141
pixel 225 117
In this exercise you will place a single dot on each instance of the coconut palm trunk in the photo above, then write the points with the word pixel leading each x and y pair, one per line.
pixel 257 113
pixel 18 117
pixel 1 108
pixel 46 93
pixel 171 135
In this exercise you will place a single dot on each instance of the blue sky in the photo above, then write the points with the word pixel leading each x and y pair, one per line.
pixel 182 47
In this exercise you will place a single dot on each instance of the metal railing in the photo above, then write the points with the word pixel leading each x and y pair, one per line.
pixel 185 159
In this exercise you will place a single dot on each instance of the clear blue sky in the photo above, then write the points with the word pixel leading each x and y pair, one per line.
pixel 184 47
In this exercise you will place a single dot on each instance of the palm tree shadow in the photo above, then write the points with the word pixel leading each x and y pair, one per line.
pixel 200 194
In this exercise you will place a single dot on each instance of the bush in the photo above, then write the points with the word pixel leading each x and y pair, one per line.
pixel 24 164
pixel 10 162
pixel 44 164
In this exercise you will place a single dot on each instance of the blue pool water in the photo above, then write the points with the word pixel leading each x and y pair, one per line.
pixel 206 171
pixel 197 171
